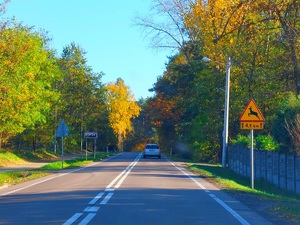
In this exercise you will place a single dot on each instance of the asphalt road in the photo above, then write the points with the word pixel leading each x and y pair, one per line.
pixel 123 190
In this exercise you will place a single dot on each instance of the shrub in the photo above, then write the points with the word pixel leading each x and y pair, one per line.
pixel 284 122
pixel 204 152
pixel 263 142
pixel 241 140
pixel 266 142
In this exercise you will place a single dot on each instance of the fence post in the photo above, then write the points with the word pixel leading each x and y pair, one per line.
pixel 290 184
pixel 282 171
pixel 263 163
pixel 257 164
pixel 297 174
pixel 275 169
pixel 269 166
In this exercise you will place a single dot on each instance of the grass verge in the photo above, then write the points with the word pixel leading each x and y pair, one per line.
pixel 10 158
pixel 15 177
pixel 285 204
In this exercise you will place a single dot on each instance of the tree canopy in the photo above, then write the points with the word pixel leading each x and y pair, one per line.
pixel 262 39
pixel 122 107
pixel 28 71
pixel 39 88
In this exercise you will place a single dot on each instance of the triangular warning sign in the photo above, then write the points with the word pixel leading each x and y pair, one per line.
pixel 251 113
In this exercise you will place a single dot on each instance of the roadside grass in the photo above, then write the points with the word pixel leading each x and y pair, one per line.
pixel 15 177
pixel 74 163
pixel 285 203
pixel 38 155
pixel 9 158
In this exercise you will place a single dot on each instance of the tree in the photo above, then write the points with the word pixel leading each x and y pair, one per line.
pixel 186 107
pixel 122 107
pixel 27 72
pixel 286 13
pixel 82 94
pixel 166 26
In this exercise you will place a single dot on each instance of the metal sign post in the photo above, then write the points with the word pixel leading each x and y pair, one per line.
pixel 252 119
pixel 62 152
pixel 86 149
pixel 90 135
pixel 94 148
pixel 62 131
pixel 252 159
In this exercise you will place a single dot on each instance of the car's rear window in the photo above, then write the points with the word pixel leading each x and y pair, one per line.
pixel 152 146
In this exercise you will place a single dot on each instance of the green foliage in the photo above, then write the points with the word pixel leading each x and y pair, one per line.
pixel 82 95
pixel 15 177
pixel 266 142
pixel 27 73
pixel 265 66
pixel 12 178
pixel 263 142
pixel 241 140
pixel 285 117
pixel 8 158
pixel 203 152
pixel 37 89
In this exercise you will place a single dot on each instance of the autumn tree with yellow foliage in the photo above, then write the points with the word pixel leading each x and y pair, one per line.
pixel 261 37
pixel 122 107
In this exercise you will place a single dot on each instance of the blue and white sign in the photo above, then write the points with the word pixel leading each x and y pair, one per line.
pixel 62 129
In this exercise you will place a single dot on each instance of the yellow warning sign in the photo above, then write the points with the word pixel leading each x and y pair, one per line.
pixel 251 113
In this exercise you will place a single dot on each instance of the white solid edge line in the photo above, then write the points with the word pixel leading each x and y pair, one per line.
pixel 28 186
pixel 231 211
pixel 223 204
pixel 45 180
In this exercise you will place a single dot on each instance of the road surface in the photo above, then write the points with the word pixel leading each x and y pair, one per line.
pixel 123 190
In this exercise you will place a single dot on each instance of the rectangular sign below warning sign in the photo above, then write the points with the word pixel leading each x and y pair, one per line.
pixel 252 125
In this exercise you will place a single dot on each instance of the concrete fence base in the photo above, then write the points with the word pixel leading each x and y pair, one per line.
pixel 282 170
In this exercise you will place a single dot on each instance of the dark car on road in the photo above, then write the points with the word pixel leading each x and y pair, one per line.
pixel 152 150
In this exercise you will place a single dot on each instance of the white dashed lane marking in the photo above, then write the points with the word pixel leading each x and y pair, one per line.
pixel 105 195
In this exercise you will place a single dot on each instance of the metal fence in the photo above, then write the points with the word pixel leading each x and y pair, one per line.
pixel 282 170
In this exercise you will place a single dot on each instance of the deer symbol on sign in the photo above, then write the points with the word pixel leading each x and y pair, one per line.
pixel 253 112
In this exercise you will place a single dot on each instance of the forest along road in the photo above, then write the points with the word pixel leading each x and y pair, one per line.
pixel 123 190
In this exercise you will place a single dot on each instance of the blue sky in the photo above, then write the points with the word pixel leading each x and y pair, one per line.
pixel 105 30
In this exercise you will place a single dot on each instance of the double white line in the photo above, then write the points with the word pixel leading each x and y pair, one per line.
pixel 92 209
pixel 122 176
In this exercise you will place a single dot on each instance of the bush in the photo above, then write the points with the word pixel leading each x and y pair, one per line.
pixel 242 140
pixel 204 152
pixel 263 142
pixel 266 142
pixel 283 123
